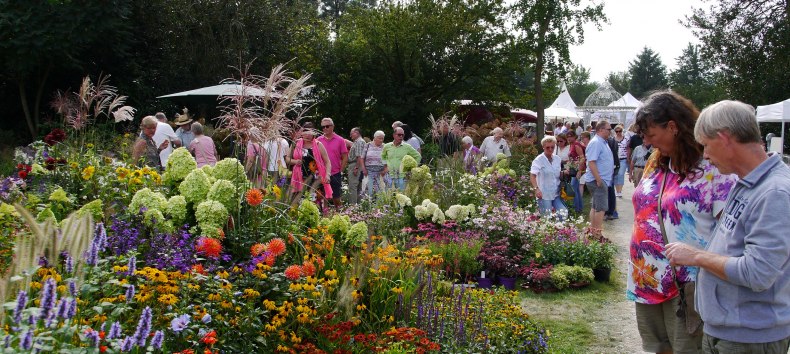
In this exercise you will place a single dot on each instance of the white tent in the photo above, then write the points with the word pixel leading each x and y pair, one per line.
pixel 775 113
pixel 564 100
pixel 627 101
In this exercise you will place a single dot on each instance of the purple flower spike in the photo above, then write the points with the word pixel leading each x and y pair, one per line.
pixel 127 344
pixel 129 293
pixel 132 265
pixel 72 308
pixel 72 288
pixel 48 298
pixel 143 328
pixel 27 340
pixel 115 331
pixel 21 302
pixel 156 342
pixel 69 264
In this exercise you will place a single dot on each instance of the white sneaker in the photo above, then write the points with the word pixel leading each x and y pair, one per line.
pixel 618 195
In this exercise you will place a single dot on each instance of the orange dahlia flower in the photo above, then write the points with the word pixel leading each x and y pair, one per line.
pixel 254 197
pixel 293 272
pixel 257 249
pixel 276 246
pixel 209 247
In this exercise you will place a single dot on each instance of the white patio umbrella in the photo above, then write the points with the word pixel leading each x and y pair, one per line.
pixel 233 88
pixel 559 113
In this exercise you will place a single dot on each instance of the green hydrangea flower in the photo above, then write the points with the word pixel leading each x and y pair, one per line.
pixel 211 213
pixel 195 186
pixel 339 225
pixel 179 165
pixel 403 200
pixel 94 208
pixel 407 164
pixel 232 170
pixel 225 192
pixel 357 234
pixel 44 215
pixel 153 217
pixel 177 209
pixel 37 169
pixel 59 195
pixel 148 199
pixel 429 210
pixel 8 210
pixel 308 214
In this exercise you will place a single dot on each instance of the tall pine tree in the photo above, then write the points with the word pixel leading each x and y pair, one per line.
pixel 648 73
pixel 695 79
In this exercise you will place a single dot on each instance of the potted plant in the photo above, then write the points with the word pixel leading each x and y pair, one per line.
pixel 537 277
pixel 497 258
pixel 598 254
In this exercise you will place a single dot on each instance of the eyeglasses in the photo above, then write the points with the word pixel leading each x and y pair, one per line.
pixel 561 141
pixel 400 134
pixel 618 131
pixel 326 126
pixel 548 147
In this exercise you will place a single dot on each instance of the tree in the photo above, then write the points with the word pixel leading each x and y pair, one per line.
pixel 695 79
pixel 333 10
pixel 404 61
pixel 39 39
pixel 648 73
pixel 579 84
pixel 748 40
pixel 550 27
pixel 620 81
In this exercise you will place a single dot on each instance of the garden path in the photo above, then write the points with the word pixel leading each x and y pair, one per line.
pixel 617 320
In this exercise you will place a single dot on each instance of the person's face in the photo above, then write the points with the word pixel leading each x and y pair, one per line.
pixel 585 140
pixel 186 127
pixel 498 135
pixel 661 137
pixel 548 148
pixel 562 142
pixel 465 146
pixel 605 132
pixel 571 139
pixel 618 131
pixel 378 140
pixel 327 127
pixel 398 135
pixel 354 135
pixel 716 151
pixel 307 135
pixel 149 131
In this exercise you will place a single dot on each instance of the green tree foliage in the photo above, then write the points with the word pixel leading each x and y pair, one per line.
pixel 549 28
pixel 749 41
pixel 620 81
pixel 695 79
pixel 403 61
pixel 579 84
pixel 333 10
pixel 41 41
pixel 648 73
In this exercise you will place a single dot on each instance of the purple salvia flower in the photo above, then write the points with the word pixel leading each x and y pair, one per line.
pixel 72 308
pixel 43 261
pixel 143 328
pixel 69 264
pixel 103 326
pixel 93 336
pixel 156 342
pixel 129 293
pixel 72 288
pixel 132 265
pixel 7 341
pixel 21 302
pixel 27 341
pixel 101 235
pixel 31 320
pixel 127 344
pixel 92 254
pixel 48 298
pixel 115 331
pixel 63 307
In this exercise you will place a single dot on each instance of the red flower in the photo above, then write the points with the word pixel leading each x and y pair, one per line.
pixel 209 247
pixel 102 349
pixel 308 269
pixel 210 338
pixel 55 136
pixel 254 197
pixel 276 246
pixel 257 249
pixel 293 272
pixel 23 174
pixel 198 268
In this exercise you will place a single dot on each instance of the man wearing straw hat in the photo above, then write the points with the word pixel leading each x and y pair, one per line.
pixel 184 132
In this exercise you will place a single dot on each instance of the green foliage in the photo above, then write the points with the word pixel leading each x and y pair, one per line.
pixel 695 79
pixel 226 193
pixel 307 214
pixel 647 73
pixel 748 40
pixel 571 274
pixel 460 258
pixel 620 80
pixel 579 84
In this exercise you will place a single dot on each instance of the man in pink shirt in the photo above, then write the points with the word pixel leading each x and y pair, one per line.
pixel 337 151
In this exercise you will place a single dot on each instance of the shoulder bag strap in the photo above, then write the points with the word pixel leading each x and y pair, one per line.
pixel 663 229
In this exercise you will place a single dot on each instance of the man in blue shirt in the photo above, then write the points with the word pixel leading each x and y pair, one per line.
pixel 600 169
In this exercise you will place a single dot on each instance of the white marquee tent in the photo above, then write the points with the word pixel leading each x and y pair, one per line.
pixel 564 100
pixel 775 113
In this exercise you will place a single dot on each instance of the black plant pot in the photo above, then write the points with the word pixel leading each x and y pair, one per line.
pixel 602 274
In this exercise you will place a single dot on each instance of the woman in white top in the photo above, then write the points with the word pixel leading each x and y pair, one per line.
pixel 373 164
pixel 544 175
pixel 410 138
pixel 563 149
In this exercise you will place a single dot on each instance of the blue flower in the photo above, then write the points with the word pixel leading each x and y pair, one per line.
pixel 206 318
pixel 21 302
pixel 156 342
pixel 179 323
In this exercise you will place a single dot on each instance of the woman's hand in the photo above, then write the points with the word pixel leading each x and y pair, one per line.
pixel 296 162
pixel 324 180
pixel 364 171
pixel 538 193
pixel 164 145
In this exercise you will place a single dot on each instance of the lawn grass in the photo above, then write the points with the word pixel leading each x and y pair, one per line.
pixel 571 315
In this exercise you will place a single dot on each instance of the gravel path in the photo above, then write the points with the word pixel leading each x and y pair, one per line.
pixel 616 321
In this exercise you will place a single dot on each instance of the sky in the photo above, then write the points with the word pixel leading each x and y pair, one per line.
pixel 634 24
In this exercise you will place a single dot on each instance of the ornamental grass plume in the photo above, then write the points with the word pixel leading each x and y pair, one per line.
pixel 254 197
pixel 78 109
pixel 209 247
pixel 274 113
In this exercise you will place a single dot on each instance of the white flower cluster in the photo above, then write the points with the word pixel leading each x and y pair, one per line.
pixel 460 212
pixel 429 210
pixel 403 200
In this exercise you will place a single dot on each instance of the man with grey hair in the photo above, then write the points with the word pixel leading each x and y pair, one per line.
pixel 356 163
pixel 743 286
pixel 600 170
pixel 164 132
pixel 494 144
pixel 393 153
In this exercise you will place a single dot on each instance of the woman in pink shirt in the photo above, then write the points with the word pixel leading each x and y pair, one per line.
pixel 202 147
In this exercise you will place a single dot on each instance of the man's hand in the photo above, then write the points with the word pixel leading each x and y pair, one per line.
pixel 599 183
pixel 681 254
